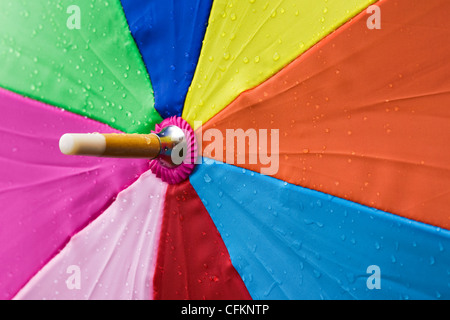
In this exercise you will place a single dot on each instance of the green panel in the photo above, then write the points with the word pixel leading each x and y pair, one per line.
pixel 95 71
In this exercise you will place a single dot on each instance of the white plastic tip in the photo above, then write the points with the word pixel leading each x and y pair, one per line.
pixel 82 144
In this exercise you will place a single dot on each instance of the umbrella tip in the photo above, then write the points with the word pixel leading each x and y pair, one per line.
pixel 73 144
pixel 66 144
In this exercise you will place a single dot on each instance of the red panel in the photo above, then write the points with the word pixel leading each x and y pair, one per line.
pixel 193 262
pixel 364 114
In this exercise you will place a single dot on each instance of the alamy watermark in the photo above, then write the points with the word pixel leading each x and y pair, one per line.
pixel 74 19
pixel 243 147
pixel 235 146
pixel 374 21
pixel 73 282
pixel 374 280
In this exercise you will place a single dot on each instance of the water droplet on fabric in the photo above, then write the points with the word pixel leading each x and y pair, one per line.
pixel 276 56
pixel 207 178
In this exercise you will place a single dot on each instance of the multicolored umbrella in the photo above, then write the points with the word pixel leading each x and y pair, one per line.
pixel 322 125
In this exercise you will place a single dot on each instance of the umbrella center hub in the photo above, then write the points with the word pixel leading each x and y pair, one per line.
pixel 173 146
pixel 178 150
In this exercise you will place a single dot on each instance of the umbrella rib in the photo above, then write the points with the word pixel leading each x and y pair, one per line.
pixel 118 78
pixel 237 54
pixel 373 157
pixel 102 269
pixel 148 222
pixel 286 246
pixel 185 274
pixel 12 132
pixel 425 95
pixel 40 183
pixel 361 108
pixel 51 165
pixel 428 200
pixel 194 18
pixel 262 24
pixel 251 218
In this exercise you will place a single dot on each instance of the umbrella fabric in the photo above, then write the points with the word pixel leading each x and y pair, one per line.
pixel 95 71
pixel 248 41
pixel 115 254
pixel 193 262
pixel 169 36
pixel 46 197
pixel 119 255
pixel 289 242
pixel 380 179
pixel 363 115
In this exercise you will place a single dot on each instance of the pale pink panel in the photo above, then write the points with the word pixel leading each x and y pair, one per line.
pixel 114 257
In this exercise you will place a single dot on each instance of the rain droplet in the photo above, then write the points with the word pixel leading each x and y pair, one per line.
pixel 276 56
pixel 393 259
pixel 207 178
pixel 432 261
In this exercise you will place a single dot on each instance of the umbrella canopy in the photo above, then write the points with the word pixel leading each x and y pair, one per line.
pixel 339 190
pixel 357 117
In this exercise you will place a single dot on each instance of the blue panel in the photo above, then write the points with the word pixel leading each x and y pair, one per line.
pixel 169 35
pixel 288 242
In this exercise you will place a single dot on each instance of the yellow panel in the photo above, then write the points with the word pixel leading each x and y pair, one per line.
pixel 247 41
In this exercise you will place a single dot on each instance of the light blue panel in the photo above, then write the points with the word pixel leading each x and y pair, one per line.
pixel 288 242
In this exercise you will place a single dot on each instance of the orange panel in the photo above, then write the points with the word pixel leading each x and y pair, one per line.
pixel 364 115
